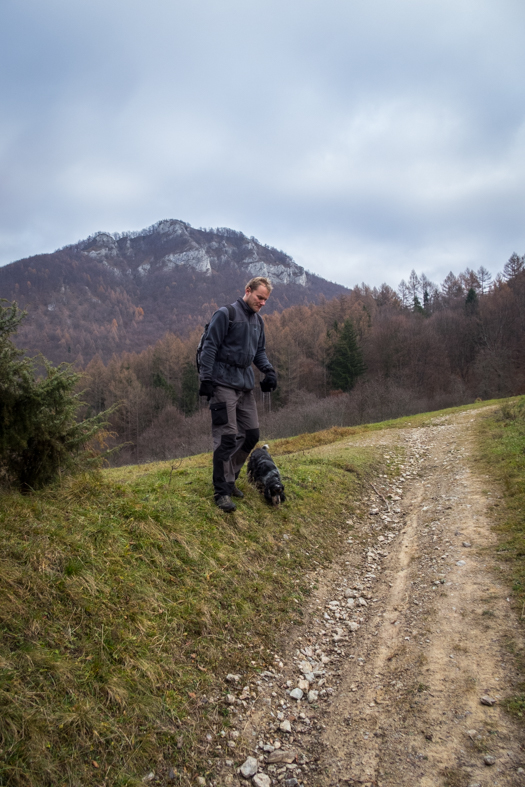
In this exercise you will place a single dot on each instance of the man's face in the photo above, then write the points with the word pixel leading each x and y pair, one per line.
pixel 256 298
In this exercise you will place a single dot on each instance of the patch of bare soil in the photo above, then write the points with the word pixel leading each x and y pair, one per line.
pixel 404 637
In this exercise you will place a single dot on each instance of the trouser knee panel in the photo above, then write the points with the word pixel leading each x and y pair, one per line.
pixel 251 439
pixel 225 448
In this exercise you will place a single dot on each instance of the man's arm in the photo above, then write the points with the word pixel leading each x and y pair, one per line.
pixel 217 331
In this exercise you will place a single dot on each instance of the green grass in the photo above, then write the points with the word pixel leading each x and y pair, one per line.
pixel 503 451
pixel 503 445
pixel 126 597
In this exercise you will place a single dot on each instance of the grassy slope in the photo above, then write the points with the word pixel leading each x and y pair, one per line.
pixel 503 451
pixel 125 598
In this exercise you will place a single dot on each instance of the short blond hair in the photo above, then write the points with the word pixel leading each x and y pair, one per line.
pixel 259 281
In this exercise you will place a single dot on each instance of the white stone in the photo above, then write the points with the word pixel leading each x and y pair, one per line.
pixel 296 694
pixel 261 780
pixel 305 666
pixel 486 700
pixel 285 726
pixel 249 768
pixel 313 696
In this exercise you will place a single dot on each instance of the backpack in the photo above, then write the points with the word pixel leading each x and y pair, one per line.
pixel 231 314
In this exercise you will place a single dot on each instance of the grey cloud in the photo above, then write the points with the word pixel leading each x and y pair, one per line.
pixel 363 138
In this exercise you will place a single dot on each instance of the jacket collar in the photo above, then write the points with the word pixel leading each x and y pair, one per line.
pixel 245 306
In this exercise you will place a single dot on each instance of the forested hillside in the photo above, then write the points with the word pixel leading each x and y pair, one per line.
pixel 371 354
pixel 111 293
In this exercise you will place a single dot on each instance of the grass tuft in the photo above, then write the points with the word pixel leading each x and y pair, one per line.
pixel 516 704
pixel 454 777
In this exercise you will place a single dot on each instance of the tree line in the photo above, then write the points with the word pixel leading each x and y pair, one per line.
pixel 371 354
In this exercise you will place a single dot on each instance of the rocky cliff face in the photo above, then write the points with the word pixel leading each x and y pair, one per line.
pixel 113 293
pixel 171 244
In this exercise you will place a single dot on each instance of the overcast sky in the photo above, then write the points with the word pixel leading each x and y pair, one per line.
pixel 363 137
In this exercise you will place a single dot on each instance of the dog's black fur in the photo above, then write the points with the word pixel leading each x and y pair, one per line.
pixel 263 474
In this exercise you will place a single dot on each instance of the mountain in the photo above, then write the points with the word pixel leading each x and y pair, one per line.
pixel 122 292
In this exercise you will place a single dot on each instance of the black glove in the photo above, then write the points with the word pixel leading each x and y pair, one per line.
pixel 270 382
pixel 206 389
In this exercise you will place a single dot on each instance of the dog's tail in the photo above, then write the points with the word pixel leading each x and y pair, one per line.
pixel 265 447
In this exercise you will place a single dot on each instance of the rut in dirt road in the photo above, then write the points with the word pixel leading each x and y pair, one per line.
pixel 417 716
pixel 406 634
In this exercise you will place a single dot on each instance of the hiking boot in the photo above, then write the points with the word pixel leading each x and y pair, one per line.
pixel 225 504
pixel 237 492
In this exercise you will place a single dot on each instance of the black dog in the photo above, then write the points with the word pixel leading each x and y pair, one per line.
pixel 263 474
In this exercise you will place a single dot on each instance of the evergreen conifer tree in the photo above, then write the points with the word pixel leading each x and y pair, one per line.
pixel 189 397
pixel 39 434
pixel 345 358
pixel 471 301
pixel 418 309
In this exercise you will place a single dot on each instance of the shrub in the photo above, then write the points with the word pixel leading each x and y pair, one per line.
pixel 39 434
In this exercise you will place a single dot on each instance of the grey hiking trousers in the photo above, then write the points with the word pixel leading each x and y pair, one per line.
pixel 235 431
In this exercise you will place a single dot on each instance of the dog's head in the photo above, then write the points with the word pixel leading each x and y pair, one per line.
pixel 274 494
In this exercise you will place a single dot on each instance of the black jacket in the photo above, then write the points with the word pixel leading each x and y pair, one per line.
pixel 227 355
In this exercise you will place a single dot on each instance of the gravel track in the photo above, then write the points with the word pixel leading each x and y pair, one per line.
pixel 404 636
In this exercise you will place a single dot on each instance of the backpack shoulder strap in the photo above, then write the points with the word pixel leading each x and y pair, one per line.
pixel 231 318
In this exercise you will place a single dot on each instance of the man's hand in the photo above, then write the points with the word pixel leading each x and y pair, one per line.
pixel 206 389
pixel 270 382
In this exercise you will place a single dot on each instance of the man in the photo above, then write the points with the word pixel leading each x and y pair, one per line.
pixel 231 345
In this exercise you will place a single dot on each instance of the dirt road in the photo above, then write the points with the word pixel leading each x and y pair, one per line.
pixel 404 637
